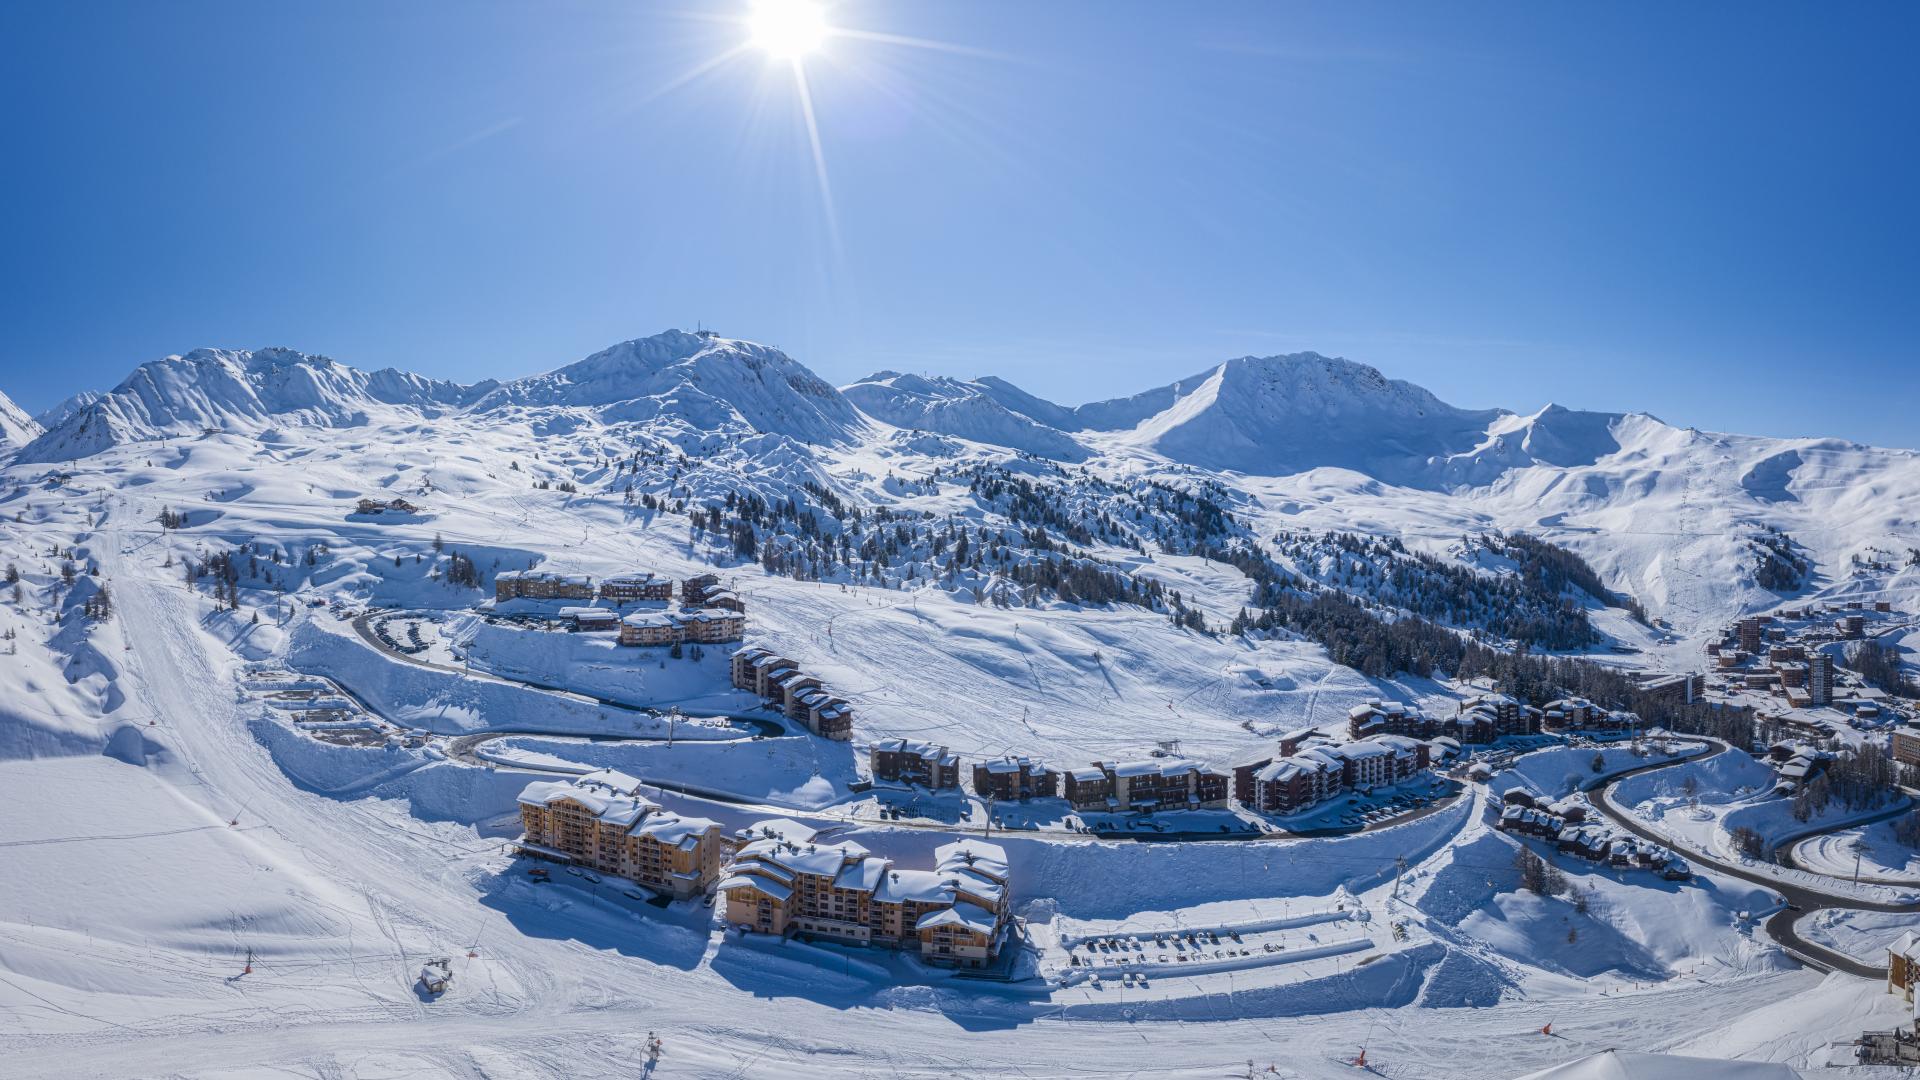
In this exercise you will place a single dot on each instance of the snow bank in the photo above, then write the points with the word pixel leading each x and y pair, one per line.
pixel 1864 935
pixel 1561 770
pixel 435 789
pixel 450 703
pixel 803 773
pixel 596 664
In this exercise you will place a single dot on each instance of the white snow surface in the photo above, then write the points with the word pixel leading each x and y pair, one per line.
pixel 957 407
pixel 16 427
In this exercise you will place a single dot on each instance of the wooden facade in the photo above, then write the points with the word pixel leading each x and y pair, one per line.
pixel 592 822
pixel 955 914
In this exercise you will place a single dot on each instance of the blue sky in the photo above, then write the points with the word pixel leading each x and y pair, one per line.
pixel 1706 211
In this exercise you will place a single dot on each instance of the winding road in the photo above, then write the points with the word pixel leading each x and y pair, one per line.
pixel 1801 900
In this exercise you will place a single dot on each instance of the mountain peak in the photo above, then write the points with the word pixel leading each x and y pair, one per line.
pixel 16 427
pixel 709 382
pixel 240 390
pixel 967 409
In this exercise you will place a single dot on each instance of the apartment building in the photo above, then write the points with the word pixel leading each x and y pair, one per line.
pixel 955 914
pixel 800 697
pixel 628 588
pixel 1286 785
pixel 694 590
pixel 1819 678
pixel 601 821
pixel 1570 713
pixel 1906 746
pixel 1013 778
pixel 1685 688
pixel 1390 718
pixel 1316 772
pixel 1152 784
pixel 1488 717
pixel 707 626
pixel 910 762
pixel 722 598
pixel 541 585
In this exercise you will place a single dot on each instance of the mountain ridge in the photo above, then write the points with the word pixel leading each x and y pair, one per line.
pixel 16 427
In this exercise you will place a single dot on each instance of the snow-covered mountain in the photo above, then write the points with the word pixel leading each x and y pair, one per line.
pixel 57 415
pixel 1292 441
pixel 1279 415
pixel 969 410
pixel 708 382
pixel 16 427
pixel 1276 415
pixel 241 390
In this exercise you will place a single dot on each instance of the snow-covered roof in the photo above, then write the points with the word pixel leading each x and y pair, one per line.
pixel 1287 768
pixel 863 874
pixel 650 620
pixel 636 578
pixel 969 916
pixel 781 828
pixel 928 751
pixel 542 575
pixel 772 889
pixel 673 830
pixel 919 886
pixel 1155 767
pixel 1404 743
pixel 1361 750
pixel 612 778
pixel 973 855
pixel 821 860
pixel 603 803
pixel 1321 757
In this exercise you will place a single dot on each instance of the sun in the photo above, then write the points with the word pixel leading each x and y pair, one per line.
pixel 788 29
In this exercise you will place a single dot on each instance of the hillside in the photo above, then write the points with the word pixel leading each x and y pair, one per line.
pixel 16 427
pixel 250 391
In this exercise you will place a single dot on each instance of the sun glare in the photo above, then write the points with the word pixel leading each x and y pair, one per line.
pixel 787 28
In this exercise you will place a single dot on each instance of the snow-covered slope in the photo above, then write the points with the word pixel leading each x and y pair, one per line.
pixel 250 391
pixel 1624 1065
pixel 1667 514
pixel 1283 414
pixel 57 415
pixel 16 427
pixel 956 407
pixel 708 382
